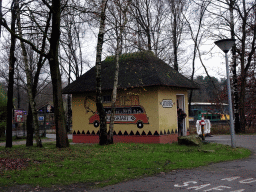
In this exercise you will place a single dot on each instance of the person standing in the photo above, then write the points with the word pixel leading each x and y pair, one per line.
pixel 181 115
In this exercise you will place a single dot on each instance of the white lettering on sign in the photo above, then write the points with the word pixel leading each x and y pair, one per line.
pixel 219 188
pixel 185 184
pixel 199 187
pixel 230 178
pixel 167 103
pixel 250 180
pixel 239 190
pixel 122 118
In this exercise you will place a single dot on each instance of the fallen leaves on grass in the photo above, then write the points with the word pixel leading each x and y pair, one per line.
pixel 13 164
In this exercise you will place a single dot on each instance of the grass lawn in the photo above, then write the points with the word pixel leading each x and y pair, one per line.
pixel 104 165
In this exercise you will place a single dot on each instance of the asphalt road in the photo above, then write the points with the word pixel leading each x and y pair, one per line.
pixel 234 176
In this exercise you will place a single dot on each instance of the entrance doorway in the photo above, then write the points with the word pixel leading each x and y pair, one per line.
pixel 181 104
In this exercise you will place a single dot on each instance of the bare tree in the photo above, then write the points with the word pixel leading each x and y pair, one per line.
pixel 71 45
pixel 245 50
pixel 119 11
pixel 234 70
pixel 240 24
pixel 55 10
pixel 149 26
pixel 29 80
pixel 100 109
pixel 141 10
pixel 177 26
pixel 59 115
pixel 14 9
pixel 32 83
pixel 196 35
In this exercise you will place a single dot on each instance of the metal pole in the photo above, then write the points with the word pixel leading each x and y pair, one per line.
pixel 232 132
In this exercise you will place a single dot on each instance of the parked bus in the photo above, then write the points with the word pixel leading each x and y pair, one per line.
pixel 212 111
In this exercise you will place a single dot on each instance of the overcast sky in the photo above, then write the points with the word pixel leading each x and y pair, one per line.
pixel 214 60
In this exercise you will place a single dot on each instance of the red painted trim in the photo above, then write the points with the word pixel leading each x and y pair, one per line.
pixel 81 138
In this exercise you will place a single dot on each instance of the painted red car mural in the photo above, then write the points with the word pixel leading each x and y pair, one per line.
pixel 124 115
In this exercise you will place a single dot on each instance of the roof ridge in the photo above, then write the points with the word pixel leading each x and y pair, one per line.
pixel 131 55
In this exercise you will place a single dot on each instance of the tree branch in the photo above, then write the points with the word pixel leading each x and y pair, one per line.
pixel 4 24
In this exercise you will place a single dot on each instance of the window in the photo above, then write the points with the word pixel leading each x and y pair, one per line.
pixel 106 99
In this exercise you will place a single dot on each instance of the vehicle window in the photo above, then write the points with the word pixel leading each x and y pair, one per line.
pixel 106 99
pixel 137 110
pixel 125 110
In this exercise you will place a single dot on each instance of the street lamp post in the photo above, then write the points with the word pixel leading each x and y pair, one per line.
pixel 225 45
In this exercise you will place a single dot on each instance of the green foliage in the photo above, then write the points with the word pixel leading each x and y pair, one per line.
pixel 3 110
pixel 106 165
pixel 127 56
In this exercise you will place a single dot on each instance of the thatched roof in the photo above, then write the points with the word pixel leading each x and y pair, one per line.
pixel 140 69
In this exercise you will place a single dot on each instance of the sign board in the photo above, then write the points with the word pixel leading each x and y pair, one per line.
pixel 123 118
pixel 49 109
pixel 19 116
pixel 167 103
pixel 40 118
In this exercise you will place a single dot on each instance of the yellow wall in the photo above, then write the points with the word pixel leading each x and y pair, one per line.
pixel 79 116
pixel 168 116
pixel 150 99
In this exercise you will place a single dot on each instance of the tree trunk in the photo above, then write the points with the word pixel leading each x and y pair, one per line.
pixel 100 109
pixel 243 74
pixel 114 93
pixel 29 87
pixel 12 60
pixel 149 40
pixel 234 82
pixel 192 76
pixel 0 16
pixel 30 129
pixel 59 115
pixel 242 106
pixel 18 90
pixel 69 114
pixel 175 47
pixel 41 61
pixel 118 53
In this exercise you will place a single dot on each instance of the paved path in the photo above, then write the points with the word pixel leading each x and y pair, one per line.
pixel 234 176
pixel 23 142
pixel 50 138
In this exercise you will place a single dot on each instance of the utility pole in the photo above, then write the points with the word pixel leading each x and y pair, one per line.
pixel 225 45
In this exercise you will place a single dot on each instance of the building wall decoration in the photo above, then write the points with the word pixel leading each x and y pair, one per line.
pixel 123 114
pixel 139 113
